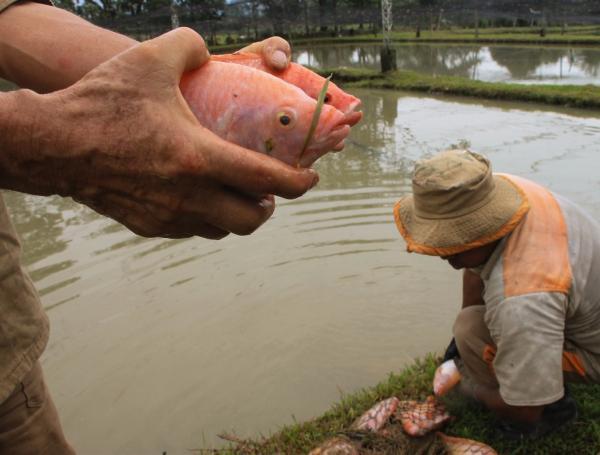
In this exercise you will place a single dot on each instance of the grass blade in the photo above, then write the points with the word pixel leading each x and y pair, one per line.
pixel 316 115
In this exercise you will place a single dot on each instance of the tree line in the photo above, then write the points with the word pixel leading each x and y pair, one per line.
pixel 254 19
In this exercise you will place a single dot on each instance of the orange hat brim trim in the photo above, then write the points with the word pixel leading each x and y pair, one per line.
pixel 508 227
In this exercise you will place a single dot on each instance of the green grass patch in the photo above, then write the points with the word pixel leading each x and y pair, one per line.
pixel 579 35
pixel 581 437
pixel 581 96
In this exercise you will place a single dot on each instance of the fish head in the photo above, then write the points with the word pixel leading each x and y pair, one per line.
pixel 344 102
pixel 312 83
pixel 281 130
pixel 329 135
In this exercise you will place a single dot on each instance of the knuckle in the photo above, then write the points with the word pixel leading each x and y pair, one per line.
pixel 148 51
pixel 189 34
pixel 192 38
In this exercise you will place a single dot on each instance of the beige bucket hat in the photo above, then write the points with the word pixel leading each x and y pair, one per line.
pixel 457 204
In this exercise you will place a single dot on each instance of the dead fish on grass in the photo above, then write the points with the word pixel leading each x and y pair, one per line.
pixel 418 419
pixel 377 416
pixel 463 446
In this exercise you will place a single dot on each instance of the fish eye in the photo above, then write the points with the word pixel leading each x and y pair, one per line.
pixel 285 118
pixel 327 98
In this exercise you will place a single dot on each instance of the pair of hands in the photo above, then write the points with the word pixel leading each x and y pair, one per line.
pixel 123 141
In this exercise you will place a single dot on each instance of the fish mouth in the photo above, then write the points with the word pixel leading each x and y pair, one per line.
pixel 325 141
pixel 352 118
pixel 352 115
pixel 340 132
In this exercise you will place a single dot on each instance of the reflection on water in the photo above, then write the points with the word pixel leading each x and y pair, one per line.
pixel 522 64
pixel 158 345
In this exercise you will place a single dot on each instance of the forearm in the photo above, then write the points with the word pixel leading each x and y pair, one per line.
pixel 492 400
pixel 45 48
pixel 472 289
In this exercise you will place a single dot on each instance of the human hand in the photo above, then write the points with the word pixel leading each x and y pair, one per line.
pixel 123 141
pixel 275 51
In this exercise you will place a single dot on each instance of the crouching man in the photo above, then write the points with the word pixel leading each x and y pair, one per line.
pixel 530 319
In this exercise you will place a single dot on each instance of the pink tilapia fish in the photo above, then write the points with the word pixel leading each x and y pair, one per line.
pixel 445 378
pixel 309 81
pixel 335 446
pixel 418 419
pixel 261 112
pixel 376 417
pixel 463 446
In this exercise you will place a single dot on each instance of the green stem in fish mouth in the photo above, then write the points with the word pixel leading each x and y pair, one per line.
pixel 316 115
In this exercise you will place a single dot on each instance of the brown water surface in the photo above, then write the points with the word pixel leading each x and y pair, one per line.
pixel 492 63
pixel 158 345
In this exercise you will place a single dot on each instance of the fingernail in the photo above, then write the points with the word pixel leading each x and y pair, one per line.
pixel 266 202
pixel 315 180
pixel 279 59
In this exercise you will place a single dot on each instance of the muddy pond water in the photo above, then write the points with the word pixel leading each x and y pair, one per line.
pixel 493 63
pixel 159 345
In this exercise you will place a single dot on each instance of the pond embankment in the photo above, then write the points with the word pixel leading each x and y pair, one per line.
pixel 581 96
pixel 415 383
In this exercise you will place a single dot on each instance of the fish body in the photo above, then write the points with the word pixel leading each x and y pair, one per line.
pixel 376 417
pixel 261 112
pixel 463 446
pixel 300 76
pixel 445 378
pixel 335 446
pixel 420 418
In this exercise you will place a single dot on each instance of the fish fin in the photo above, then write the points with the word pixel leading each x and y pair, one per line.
pixel 238 56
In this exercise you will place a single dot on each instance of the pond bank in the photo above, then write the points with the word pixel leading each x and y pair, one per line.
pixel 415 382
pixel 581 96
pixel 572 36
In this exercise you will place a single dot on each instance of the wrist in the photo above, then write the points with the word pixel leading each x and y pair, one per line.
pixel 27 128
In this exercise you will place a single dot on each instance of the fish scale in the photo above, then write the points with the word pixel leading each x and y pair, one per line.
pixel 246 106
pixel 376 417
pixel 418 419
pixel 463 446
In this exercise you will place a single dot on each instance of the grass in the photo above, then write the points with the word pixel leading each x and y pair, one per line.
pixel 586 35
pixel 581 437
pixel 581 96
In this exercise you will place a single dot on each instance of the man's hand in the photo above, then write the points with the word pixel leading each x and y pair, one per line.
pixel 124 141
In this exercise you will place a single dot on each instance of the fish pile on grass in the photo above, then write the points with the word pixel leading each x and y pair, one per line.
pixel 417 419
pixel 294 115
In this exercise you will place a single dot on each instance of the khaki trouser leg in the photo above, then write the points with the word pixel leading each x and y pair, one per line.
pixel 477 350
pixel 475 345
pixel 29 423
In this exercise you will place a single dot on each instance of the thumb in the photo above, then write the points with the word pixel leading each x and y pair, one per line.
pixel 181 49
pixel 275 51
